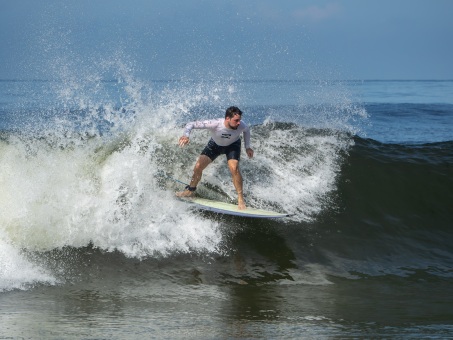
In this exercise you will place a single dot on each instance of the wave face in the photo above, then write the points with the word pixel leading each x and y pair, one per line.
pixel 395 209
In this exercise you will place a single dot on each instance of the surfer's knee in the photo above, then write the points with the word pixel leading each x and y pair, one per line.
pixel 233 165
pixel 197 167
pixel 201 164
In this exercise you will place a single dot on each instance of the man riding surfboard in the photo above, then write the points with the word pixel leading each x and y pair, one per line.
pixel 225 139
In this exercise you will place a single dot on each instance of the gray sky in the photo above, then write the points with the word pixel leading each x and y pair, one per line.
pixel 251 39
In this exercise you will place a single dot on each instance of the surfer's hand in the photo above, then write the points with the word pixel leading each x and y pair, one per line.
pixel 249 152
pixel 183 141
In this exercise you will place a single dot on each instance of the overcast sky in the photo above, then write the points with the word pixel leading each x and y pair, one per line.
pixel 248 39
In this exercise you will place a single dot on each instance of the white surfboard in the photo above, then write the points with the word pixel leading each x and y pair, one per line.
pixel 231 209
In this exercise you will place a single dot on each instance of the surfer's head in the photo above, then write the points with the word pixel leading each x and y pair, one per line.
pixel 232 111
pixel 233 117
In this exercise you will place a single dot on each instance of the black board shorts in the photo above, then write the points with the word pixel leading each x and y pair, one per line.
pixel 232 151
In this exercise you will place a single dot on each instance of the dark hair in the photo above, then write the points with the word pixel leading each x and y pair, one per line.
pixel 232 111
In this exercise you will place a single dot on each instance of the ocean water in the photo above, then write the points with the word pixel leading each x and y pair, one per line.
pixel 94 245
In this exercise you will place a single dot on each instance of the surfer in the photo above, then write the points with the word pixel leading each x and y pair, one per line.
pixel 225 139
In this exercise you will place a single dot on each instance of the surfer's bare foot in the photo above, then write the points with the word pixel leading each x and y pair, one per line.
pixel 185 193
pixel 188 192
pixel 241 205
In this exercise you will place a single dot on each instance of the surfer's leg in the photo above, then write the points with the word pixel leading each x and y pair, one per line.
pixel 233 165
pixel 202 162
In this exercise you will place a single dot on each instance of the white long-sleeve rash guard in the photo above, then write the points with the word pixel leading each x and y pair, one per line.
pixel 221 135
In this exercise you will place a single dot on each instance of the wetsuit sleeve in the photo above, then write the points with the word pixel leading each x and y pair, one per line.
pixel 202 124
pixel 247 137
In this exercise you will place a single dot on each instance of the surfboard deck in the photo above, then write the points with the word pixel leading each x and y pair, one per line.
pixel 231 209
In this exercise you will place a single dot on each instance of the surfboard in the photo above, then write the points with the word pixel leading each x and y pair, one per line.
pixel 231 209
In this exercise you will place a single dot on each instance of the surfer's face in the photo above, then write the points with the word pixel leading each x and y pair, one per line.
pixel 234 122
